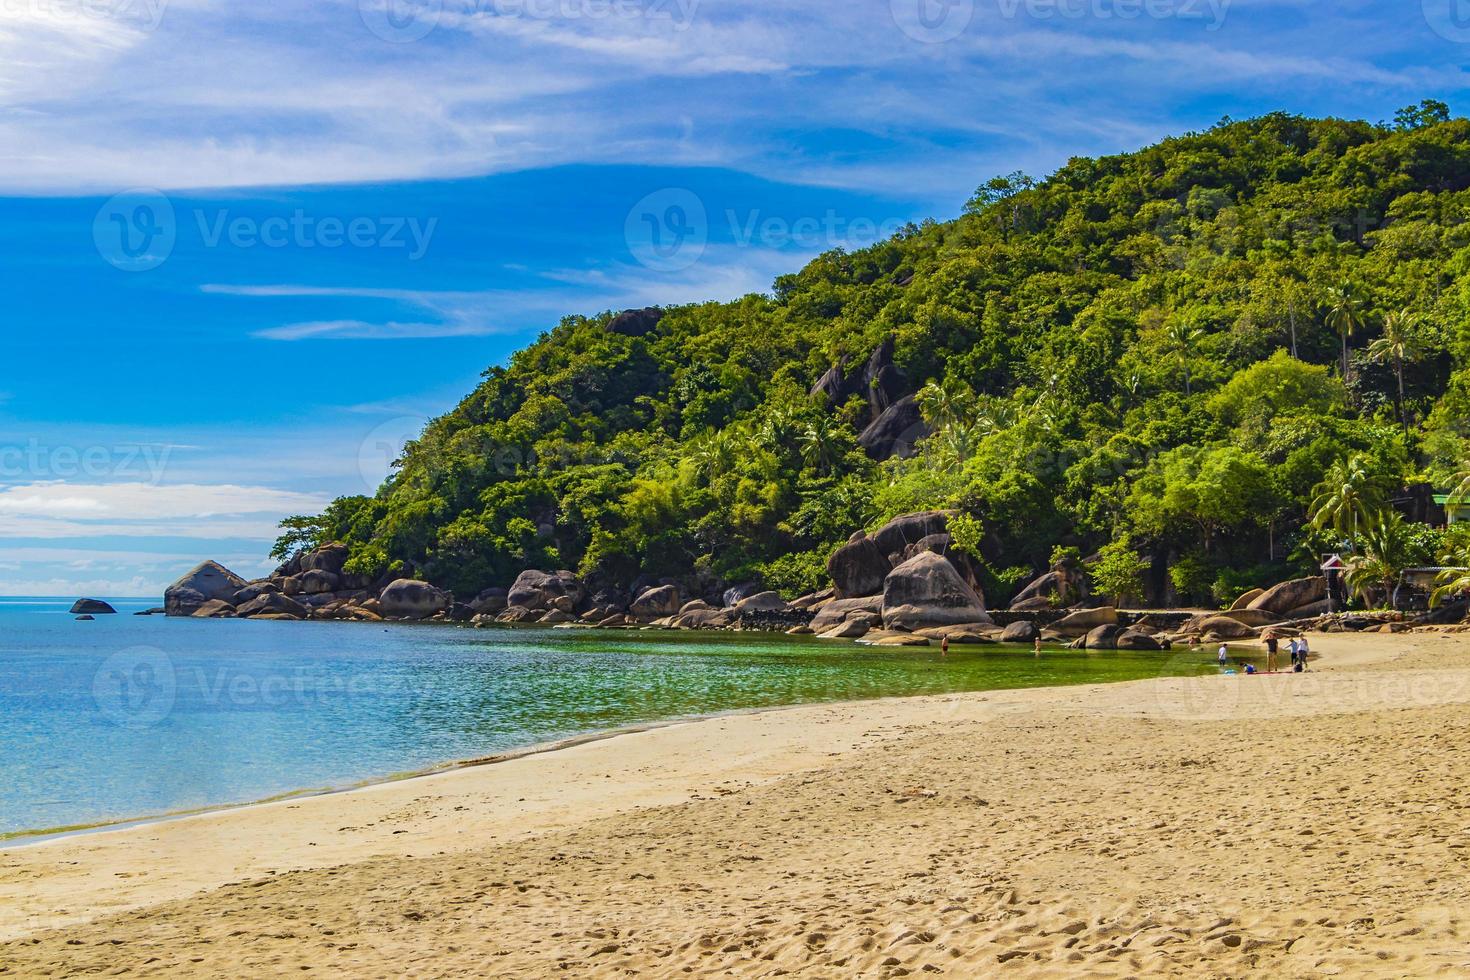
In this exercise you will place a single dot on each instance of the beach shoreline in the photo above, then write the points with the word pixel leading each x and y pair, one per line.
pixel 692 772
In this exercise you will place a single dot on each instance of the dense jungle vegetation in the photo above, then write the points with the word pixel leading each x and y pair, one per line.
pixel 1212 359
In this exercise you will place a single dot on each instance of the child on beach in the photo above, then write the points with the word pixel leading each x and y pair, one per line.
pixel 1224 655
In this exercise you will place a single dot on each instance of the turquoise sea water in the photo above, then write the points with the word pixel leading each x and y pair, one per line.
pixel 133 716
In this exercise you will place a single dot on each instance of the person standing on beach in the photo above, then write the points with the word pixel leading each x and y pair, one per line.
pixel 1224 656
pixel 1271 647
pixel 944 647
pixel 1303 651
pixel 1037 646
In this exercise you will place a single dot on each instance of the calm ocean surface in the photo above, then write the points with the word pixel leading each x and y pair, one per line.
pixel 134 716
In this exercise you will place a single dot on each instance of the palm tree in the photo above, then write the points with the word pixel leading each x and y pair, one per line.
pixel 1386 553
pixel 714 455
pixel 1461 492
pixel 945 404
pixel 1345 315
pixel 1451 582
pixel 1182 339
pixel 1346 499
pixel 1400 345
pixel 822 445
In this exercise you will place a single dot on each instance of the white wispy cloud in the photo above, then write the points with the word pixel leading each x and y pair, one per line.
pixel 210 95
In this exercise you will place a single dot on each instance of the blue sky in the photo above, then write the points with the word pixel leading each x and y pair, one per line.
pixel 249 248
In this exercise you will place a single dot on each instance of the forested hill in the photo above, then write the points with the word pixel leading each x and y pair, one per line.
pixel 1144 351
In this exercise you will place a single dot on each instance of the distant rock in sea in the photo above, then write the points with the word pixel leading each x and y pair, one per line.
pixel 92 607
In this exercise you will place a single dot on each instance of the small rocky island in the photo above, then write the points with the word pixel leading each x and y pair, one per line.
pixel 905 584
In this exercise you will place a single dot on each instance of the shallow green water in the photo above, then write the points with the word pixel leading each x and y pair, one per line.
pixel 127 716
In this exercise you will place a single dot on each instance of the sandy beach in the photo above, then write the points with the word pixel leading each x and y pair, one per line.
pixel 1225 826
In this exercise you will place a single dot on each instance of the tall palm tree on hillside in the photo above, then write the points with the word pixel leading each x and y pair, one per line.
pixel 1345 315
pixel 1399 345
pixel 1346 499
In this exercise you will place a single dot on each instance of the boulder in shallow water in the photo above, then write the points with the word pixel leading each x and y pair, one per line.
pixel 869 609
pixel 1103 637
pixel 1022 631
pixel 214 609
pixel 275 604
pixel 927 591
pixel 1084 621
pixel 1134 639
pixel 92 607
pixel 86 618
pixel 849 629
pixel 207 582
pixel 411 599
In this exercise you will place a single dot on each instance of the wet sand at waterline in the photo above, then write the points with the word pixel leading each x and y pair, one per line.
pixel 1222 826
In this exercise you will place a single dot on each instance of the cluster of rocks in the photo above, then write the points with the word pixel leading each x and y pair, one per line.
pixel 905 585
pixel 314 585
pixel 893 424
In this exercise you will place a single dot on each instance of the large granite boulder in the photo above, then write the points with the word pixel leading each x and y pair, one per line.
pixel 92 607
pixel 1287 596
pixel 1021 631
pixel 273 603
pixel 849 629
pixel 547 590
pixel 894 538
pixel 869 609
pixel 927 591
pixel 1134 639
pixel 763 602
pixel 636 323
pixel 703 619
pixel 207 582
pixel 1084 621
pixel 1057 589
pixel 858 568
pixel 328 558
pixel 490 601
pixel 1254 617
pixel 214 609
pixel 319 582
pixel 815 600
pixel 657 603
pixel 1103 637
pixel 1225 628
pixel 411 599
pixel 254 591
pixel 1245 600
pixel 897 432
